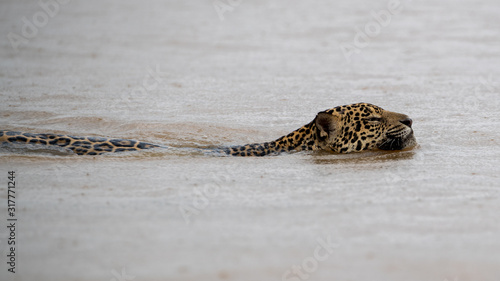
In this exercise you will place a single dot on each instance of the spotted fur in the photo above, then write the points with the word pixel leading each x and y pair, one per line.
pixel 343 129
pixel 79 145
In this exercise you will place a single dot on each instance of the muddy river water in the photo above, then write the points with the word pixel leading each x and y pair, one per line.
pixel 190 74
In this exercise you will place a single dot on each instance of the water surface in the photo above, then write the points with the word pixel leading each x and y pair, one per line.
pixel 430 213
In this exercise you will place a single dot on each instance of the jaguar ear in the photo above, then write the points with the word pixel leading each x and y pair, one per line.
pixel 327 125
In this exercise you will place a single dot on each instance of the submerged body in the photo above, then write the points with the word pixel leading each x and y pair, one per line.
pixel 79 145
pixel 343 129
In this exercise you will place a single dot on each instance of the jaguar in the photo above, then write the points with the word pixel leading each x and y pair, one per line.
pixel 342 129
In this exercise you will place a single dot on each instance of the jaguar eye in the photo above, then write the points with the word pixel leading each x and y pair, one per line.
pixel 373 119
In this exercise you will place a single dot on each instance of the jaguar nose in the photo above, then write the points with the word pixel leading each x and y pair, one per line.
pixel 407 122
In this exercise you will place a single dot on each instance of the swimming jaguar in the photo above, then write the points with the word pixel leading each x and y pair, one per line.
pixel 342 129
